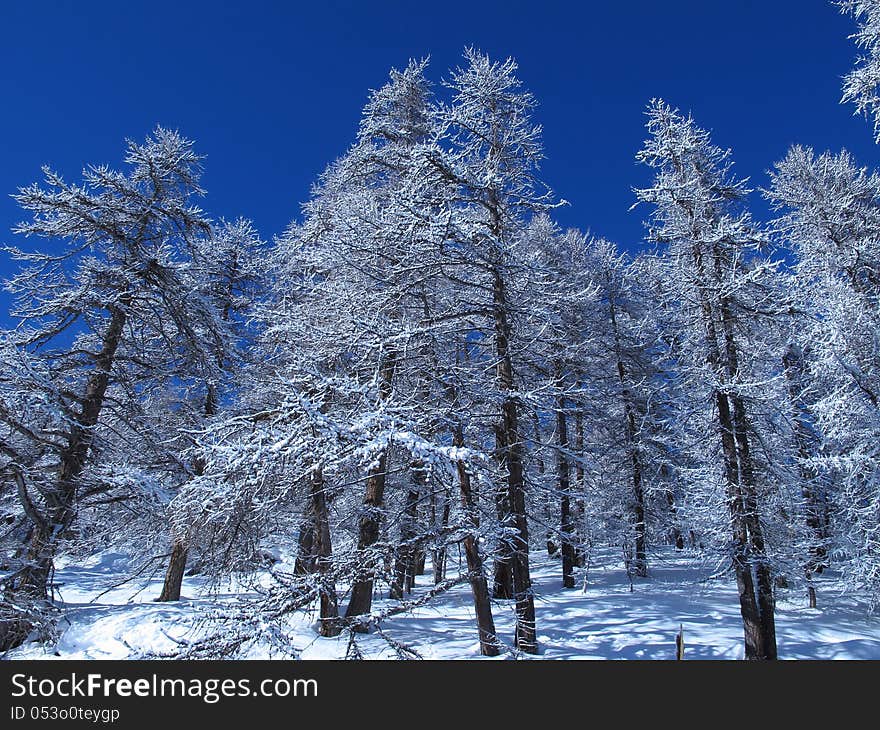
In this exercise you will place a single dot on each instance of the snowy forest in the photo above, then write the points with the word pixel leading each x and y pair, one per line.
pixel 426 405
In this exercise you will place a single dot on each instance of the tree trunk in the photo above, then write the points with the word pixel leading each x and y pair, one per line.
pixel 640 561
pixel 406 553
pixel 502 582
pixel 579 506
pixel 174 574
pixel 753 575
pixel 510 453
pixel 476 576
pixel 764 634
pixel 438 555
pixel 330 625
pixel 305 550
pixel 752 571
pixel 564 485
pixel 32 583
pixel 742 558
pixel 60 500
pixel 765 644
pixel 361 600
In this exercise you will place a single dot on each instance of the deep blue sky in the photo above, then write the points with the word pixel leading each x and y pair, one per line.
pixel 272 91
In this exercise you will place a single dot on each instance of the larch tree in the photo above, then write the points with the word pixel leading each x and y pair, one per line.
pixel 492 165
pixel 714 249
pixel 830 217
pixel 110 303
pixel 861 83
pixel 558 328
pixel 628 383
pixel 230 274
pixel 364 219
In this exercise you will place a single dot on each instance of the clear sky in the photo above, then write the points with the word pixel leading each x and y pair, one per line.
pixel 272 91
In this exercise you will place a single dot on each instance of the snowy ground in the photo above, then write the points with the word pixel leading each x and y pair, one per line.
pixel 606 622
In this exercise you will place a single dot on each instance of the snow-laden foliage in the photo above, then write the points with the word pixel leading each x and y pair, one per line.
pixel 423 366
pixel 111 312
pixel 721 287
pixel 860 84
pixel 830 215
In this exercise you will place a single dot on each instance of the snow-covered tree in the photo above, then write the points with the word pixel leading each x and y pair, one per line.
pixel 229 274
pixel 718 282
pixel 558 329
pixel 860 84
pixel 493 164
pixel 108 308
pixel 830 216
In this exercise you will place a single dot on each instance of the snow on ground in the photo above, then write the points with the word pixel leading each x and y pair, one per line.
pixel 605 622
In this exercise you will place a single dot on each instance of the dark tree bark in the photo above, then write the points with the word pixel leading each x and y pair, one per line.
pixel 361 600
pixel 305 551
pixel 60 501
pixel 579 506
pixel 32 582
pixel 406 553
pixel 510 453
pixel 476 576
pixel 764 635
pixel 502 582
pixel 330 625
pixel 563 476
pixel 174 574
pixel 438 555
pixel 763 643
pixel 752 574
